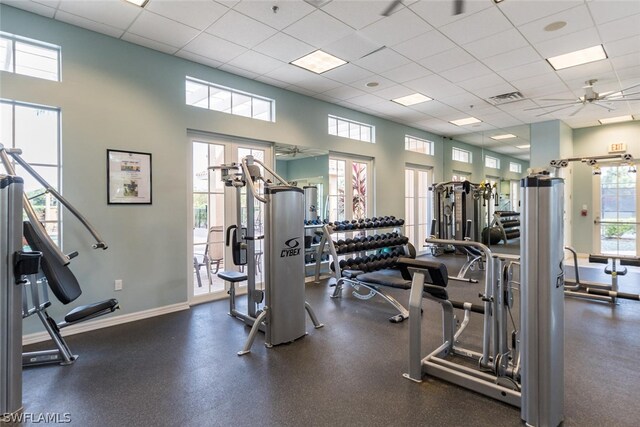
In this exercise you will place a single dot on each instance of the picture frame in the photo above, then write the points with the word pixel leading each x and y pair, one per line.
pixel 128 178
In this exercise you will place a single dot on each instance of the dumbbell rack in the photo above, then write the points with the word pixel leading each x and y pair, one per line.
pixel 327 244
pixel 508 223
pixel 314 246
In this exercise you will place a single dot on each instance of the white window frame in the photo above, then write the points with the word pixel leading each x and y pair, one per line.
pixel 491 162
pixel 231 92
pixel 418 145
pixel 13 39
pixel 58 166
pixel 351 125
pixel 348 191
pixel 515 167
pixel 457 155
pixel 417 239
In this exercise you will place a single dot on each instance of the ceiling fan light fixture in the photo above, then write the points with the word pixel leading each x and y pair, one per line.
pixel 618 119
pixel 504 136
pixel 578 57
pixel 412 99
pixel 140 3
pixel 465 121
pixel 523 147
pixel 318 62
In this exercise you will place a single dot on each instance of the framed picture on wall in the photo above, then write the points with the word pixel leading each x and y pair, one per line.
pixel 128 177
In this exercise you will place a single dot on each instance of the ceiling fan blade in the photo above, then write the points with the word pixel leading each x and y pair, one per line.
pixel 458 7
pixel 621 95
pixel 618 99
pixel 558 99
pixel 551 106
pixel 578 110
pixel 623 90
pixel 606 107
pixel 392 6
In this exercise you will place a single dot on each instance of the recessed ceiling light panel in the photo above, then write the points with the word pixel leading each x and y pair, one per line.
pixel 616 119
pixel 318 62
pixel 141 3
pixel 504 136
pixel 464 122
pixel 413 99
pixel 579 57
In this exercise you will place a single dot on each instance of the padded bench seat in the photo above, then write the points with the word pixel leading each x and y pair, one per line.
pixel 85 311
pixel 390 278
pixel 232 276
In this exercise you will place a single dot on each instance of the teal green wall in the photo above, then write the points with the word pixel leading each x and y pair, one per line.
pixel 595 141
pixel 118 95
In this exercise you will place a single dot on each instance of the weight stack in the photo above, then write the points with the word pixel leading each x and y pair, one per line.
pixel 284 260
pixel 542 301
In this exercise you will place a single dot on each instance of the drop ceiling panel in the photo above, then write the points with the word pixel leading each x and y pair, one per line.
pixel 593 70
pixel 620 29
pixel 256 62
pixel 476 26
pixel 366 100
pixel 214 48
pixel 151 44
pixel 521 12
pixel 239 71
pixel 382 83
pixel 284 47
pixel 240 29
pixel 352 47
pixel 344 92
pixel 161 29
pixel 610 10
pixel 394 92
pixel 196 14
pixel 527 70
pixel 382 60
pixel 90 25
pixel 440 13
pixel 410 71
pixel 198 58
pixel 496 44
pixel 447 60
pixel 465 72
pixel 288 12
pixel 33 7
pixel 623 46
pixel 397 28
pixel 348 73
pixel 116 14
pixel 522 56
pixel 488 80
pixel 464 100
pixel 568 43
pixel 356 14
pixel 288 73
pixel 318 29
pixel 316 83
pixel 424 45
pixel 577 18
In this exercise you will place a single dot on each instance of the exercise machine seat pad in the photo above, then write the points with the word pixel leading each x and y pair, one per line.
pixel 351 274
pixel 390 278
pixel 60 278
pixel 438 274
pixel 232 276
pixel 82 312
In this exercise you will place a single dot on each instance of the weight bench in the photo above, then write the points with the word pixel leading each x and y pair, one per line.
pixel 63 283
pixel 372 281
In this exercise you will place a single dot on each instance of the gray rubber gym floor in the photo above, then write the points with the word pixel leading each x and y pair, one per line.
pixel 182 369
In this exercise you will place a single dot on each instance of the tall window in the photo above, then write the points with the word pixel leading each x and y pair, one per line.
pixel 219 98
pixel 418 205
pixel 491 162
pixel 351 129
pixel 30 57
pixel 460 155
pixel 36 131
pixel 418 145
pixel 618 193
pixel 349 192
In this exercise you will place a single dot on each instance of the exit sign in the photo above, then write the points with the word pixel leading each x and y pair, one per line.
pixel 619 147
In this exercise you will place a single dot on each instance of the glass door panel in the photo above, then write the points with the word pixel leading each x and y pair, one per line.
pixel 418 206
pixel 618 211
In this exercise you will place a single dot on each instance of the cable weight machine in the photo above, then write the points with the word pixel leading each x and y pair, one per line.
pixel 282 318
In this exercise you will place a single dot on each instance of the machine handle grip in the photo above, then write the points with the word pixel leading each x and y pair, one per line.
pixel 228 236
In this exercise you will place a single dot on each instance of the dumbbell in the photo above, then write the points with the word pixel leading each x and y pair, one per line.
pixel 358 246
pixel 351 247
pixel 342 264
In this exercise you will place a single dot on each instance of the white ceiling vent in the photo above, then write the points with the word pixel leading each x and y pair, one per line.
pixel 506 98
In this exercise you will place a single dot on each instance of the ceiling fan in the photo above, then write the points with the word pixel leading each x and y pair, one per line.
pixel 286 151
pixel 591 97
pixel 458 7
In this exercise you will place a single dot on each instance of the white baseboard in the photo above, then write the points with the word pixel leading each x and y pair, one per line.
pixel 106 322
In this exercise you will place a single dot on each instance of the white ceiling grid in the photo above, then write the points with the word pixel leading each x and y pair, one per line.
pixel 458 60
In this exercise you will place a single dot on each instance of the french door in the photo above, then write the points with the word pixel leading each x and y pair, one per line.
pixel 616 198
pixel 418 205
pixel 349 188
pixel 214 208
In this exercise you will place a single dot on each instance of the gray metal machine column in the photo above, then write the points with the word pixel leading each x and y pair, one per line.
pixel 284 252
pixel 542 301
pixel 11 189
